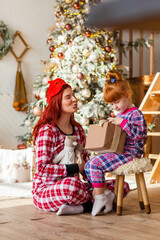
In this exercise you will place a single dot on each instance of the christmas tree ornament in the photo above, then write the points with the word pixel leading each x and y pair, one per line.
pixel 52 48
pixel 68 26
pixel 28 123
pixel 112 59
pixel 112 114
pixel 58 14
pixel 51 55
pixel 68 1
pixel 86 53
pixel 69 42
pixel 108 49
pixel 61 55
pixel 80 75
pixel 75 68
pixel 76 5
pixel 37 96
pixel 86 93
pixel 88 33
pixel 49 40
pixel 37 111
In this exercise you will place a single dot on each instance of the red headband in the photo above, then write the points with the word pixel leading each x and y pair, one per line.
pixel 55 87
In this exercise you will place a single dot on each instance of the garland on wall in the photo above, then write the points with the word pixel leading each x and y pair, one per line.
pixel 7 39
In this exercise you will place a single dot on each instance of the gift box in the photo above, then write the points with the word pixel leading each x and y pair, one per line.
pixel 106 138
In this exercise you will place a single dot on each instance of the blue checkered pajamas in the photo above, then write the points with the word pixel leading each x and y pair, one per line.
pixel 136 130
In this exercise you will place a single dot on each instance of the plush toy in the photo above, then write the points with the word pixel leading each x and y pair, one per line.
pixel 71 152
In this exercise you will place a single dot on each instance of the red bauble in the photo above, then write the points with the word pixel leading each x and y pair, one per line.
pixel 108 49
pixel 68 26
pixel 37 96
pixel 88 33
pixel 61 55
pixel 21 146
pixel 49 40
pixel 51 55
pixel 70 43
pixel 76 5
pixel 80 75
pixel 58 14
pixel 52 48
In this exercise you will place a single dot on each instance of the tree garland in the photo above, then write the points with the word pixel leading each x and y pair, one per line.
pixel 7 37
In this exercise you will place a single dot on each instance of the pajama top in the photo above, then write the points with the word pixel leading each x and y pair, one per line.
pixel 135 127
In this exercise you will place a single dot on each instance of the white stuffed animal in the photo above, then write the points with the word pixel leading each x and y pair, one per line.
pixel 71 152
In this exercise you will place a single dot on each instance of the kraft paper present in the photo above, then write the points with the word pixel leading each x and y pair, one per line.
pixel 106 138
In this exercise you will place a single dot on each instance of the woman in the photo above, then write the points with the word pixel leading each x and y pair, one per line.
pixel 53 187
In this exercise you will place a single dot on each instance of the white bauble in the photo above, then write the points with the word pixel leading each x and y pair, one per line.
pixel 86 93
pixel 42 94
pixel 75 68
pixel 28 123
pixel 92 57
pixel 45 80
pixel 86 53
pixel 84 121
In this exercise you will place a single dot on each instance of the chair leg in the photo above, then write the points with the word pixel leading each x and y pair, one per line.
pixel 144 193
pixel 141 204
pixel 115 192
pixel 120 195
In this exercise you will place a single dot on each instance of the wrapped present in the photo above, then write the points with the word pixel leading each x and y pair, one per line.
pixel 106 138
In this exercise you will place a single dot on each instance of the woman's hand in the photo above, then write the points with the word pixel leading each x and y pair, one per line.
pixel 116 120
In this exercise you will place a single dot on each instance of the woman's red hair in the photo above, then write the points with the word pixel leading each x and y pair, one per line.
pixel 113 91
pixel 51 114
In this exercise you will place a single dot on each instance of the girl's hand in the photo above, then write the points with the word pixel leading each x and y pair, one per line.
pixel 116 120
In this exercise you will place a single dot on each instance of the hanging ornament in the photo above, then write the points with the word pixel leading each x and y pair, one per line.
pixel 58 14
pixel 51 55
pixel 49 40
pixel 86 93
pixel 52 48
pixel 68 1
pixel 108 49
pixel 37 96
pixel 112 59
pixel 61 55
pixel 28 123
pixel 37 111
pixel 88 33
pixel 45 79
pixel 68 26
pixel 69 42
pixel 86 53
pixel 112 114
pixel 76 5
pixel 80 75
pixel 75 68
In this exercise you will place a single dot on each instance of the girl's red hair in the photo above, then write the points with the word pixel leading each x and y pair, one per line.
pixel 116 87
pixel 51 114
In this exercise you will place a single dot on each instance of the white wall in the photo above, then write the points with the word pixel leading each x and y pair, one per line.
pixel 32 18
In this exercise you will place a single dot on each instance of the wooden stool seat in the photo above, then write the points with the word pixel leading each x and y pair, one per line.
pixel 138 166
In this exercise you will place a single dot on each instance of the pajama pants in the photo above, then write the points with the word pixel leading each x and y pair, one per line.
pixel 69 190
pixel 97 167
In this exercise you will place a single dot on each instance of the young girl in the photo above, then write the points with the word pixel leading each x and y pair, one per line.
pixel 117 92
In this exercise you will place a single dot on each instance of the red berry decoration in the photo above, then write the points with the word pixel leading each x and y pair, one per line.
pixel 80 75
pixel 70 43
pixel 61 55
pixel 49 40
pixel 88 33
pixel 68 26
pixel 58 14
pixel 76 5
pixel 52 48
pixel 51 55
pixel 108 49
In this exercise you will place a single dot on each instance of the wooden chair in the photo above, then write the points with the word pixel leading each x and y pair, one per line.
pixel 138 166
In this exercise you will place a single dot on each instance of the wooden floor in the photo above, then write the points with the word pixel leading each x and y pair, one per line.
pixel 20 220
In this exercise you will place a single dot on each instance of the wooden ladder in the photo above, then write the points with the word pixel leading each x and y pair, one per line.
pixel 150 108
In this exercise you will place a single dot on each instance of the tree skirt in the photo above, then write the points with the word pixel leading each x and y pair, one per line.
pixel 18 189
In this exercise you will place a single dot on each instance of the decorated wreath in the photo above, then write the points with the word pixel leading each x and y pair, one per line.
pixel 7 39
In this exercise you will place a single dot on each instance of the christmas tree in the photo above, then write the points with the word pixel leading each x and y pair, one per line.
pixel 80 56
